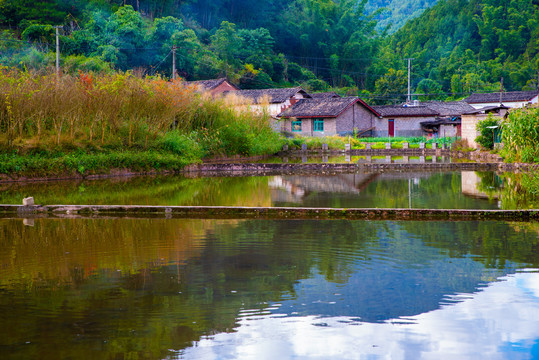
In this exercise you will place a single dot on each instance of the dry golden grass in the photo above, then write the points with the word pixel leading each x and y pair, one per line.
pixel 40 108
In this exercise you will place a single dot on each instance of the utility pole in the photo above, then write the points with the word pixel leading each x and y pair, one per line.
pixel 501 91
pixel 173 62
pixel 408 100
pixel 57 50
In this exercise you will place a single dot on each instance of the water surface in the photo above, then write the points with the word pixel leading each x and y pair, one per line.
pixel 255 289
pixel 439 190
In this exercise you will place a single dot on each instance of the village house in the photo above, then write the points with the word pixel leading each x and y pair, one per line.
pixel 328 116
pixel 470 120
pixel 271 101
pixel 402 120
pixel 213 86
pixel 511 99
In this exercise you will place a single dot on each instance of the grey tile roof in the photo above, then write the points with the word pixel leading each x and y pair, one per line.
pixel 510 96
pixel 274 96
pixel 321 107
pixel 450 108
pixel 404 111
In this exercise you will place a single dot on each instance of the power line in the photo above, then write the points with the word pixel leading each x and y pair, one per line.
pixel 161 62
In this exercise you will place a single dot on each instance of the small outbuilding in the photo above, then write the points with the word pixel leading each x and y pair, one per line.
pixel 471 119
pixel 329 116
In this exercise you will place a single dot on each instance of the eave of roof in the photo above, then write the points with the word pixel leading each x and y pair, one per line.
pixel 487 109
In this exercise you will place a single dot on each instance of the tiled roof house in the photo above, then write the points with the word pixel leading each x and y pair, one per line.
pixel 328 116
pixel 274 101
pixel 511 99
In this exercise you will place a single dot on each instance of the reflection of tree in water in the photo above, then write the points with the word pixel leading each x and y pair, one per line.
pixel 180 280
pixel 514 190
pixel 493 243
pixel 157 190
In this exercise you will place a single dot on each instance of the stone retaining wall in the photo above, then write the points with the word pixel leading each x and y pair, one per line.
pixel 246 169
pixel 134 211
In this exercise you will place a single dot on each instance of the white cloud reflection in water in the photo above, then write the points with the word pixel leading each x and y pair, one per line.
pixel 499 322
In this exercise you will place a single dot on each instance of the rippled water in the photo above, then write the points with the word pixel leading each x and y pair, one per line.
pixel 259 289
pixel 449 190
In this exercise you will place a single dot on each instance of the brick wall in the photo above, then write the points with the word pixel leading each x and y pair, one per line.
pixel 469 132
pixel 354 117
pixel 225 86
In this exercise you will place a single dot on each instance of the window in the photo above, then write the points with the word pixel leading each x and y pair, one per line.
pixel 318 125
pixel 296 126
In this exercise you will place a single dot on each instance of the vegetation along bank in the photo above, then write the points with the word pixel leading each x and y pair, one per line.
pixel 88 124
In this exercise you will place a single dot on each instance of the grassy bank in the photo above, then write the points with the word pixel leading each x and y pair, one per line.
pixel 88 124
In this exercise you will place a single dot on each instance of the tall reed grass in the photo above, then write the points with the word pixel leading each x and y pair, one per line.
pixel 520 135
pixel 122 110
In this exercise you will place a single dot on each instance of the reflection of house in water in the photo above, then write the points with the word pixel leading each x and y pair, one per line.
pixel 470 181
pixel 295 188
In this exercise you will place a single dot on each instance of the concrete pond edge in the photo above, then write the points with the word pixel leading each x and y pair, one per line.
pixel 241 212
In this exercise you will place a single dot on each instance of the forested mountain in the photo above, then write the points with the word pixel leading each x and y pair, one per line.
pixel 397 12
pixel 457 46
pixel 461 46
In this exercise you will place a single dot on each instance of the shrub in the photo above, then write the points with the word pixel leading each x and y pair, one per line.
pixel 487 132
pixel 181 144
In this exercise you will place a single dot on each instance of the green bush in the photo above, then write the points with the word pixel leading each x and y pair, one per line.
pixel 180 144
pixel 487 133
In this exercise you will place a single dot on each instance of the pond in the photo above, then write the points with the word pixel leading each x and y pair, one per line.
pixel 261 289
pixel 438 190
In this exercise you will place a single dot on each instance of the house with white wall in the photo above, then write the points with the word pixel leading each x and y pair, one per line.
pixel 270 101
pixel 511 99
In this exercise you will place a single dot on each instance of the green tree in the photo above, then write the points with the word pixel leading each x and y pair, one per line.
pixel 392 86
pixel 430 89
pixel 226 42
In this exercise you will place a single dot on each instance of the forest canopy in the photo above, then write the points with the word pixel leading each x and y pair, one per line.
pixel 457 46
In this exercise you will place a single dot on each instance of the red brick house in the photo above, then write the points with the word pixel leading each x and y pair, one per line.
pixel 213 86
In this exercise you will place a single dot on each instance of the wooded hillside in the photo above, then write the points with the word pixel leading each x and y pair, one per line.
pixel 457 46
